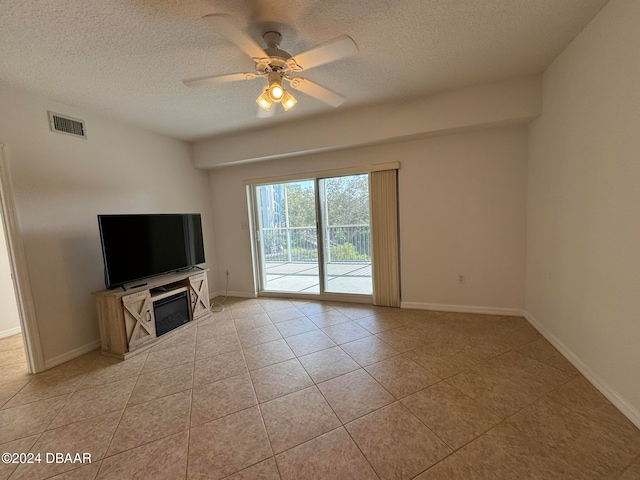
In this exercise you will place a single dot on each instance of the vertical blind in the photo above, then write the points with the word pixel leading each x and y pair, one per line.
pixel 383 195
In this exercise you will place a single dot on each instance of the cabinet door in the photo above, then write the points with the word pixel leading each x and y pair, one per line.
pixel 138 318
pixel 199 295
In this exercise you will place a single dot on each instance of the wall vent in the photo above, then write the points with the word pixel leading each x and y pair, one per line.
pixel 68 125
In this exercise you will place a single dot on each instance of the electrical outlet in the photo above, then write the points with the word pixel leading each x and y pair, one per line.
pixel 461 280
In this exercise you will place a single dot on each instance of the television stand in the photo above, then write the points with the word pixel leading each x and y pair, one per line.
pixel 127 318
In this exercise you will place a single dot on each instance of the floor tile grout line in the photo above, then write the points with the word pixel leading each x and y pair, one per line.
pixel 271 364
pixel 153 372
pixel 70 392
pixel 546 363
pixel 310 353
pixel 46 429
pixel 368 364
pixel 443 459
pixel 264 426
pixel 135 405
pixel 555 388
pixel 259 404
pixel 26 436
pixel 193 378
pixel 64 404
pixel 82 419
pixel 341 375
pixel 399 401
pixel 454 450
pixel 489 408
pixel 243 469
pixel 341 426
pixel 31 449
pixel 105 457
pixel 198 425
pixel 504 420
pixel 572 376
pixel 627 467
pixel 231 413
pixel 336 413
pixel 475 400
pixel 76 467
pixel 360 449
pixel 2 407
pixel 115 430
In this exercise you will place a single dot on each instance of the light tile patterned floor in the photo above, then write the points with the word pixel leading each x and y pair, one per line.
pixel 298 390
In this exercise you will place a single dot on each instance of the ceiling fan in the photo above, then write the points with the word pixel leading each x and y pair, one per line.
pixel 278 66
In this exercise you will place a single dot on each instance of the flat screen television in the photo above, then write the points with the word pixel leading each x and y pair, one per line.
pixel 135 247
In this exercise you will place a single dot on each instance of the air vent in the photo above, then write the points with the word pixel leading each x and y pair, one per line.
pixel 68 125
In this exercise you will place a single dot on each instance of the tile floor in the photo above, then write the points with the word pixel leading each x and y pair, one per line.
pixel 273 389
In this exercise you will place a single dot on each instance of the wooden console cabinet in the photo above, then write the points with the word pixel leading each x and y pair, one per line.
pixel 127 320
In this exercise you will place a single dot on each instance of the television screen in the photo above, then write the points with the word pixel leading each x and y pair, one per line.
pixel 139 246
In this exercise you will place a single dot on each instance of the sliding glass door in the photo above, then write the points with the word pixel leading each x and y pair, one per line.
pixel 295 256
pixel 287 237
pixel 344 206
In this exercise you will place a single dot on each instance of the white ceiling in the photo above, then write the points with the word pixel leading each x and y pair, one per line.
pixel 126 58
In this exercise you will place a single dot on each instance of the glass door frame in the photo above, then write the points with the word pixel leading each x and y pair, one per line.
pixel 257 247
pixel 321 236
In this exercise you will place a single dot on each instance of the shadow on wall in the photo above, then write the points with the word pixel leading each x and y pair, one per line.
pixel 9 318
pixel 64 269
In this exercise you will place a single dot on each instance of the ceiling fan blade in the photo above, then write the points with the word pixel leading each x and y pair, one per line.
pixel 213 79
pixel 243 41
pixel 317 91
pixel 262 113
pixel 340 47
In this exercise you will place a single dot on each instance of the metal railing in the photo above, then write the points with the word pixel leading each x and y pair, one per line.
pixel 294 244
pixel 346 244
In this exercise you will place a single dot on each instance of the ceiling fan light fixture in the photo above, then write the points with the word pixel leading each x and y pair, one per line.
pixel 276 89
pixel 264 101
pixel 288 100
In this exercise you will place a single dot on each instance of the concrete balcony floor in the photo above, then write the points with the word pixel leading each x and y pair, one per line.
pixel 300 277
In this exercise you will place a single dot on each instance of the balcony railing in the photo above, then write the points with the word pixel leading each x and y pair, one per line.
pixel 346 244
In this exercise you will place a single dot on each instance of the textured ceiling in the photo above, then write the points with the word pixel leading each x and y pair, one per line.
pixel 126 58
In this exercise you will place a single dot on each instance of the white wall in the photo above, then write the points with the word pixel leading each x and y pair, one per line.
pixel 583 243
pixel 514 101
pixel 61 183
pixel 462 211
pixel 9 321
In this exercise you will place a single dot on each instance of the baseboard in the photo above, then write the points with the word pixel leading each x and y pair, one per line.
pixel 76 352
pixel 232 294
pixel 512 312
pixel 610 393
pixel 10 331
